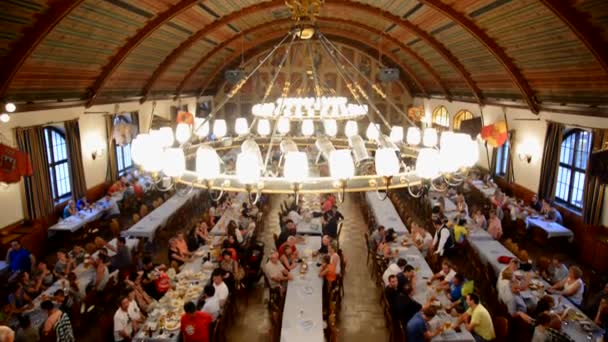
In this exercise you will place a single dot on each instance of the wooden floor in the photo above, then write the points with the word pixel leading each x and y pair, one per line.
pixel 362 319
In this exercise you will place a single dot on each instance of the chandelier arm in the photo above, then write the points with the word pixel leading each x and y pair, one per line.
pixel 162 189
pixel 184 193
pixel 347 78
pixel 390 102
pixel 242 82
pixel 279 68
pixel 314 69
pixel 415 195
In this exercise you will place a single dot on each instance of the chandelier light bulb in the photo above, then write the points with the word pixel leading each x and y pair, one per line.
pixel 331 127
pixel 4 117
pixel 207 163
pixel 201 129
pixel 351 128
pixel 241 127
pixel 219 128
pixel 341 164
pixel 263 127
pixel 136 148
pixel 450 152
pixel 183 131
pixel 427 164
pixel 387 163
pixel 396 134
pixel 308 128
pixel 295 169
pixel 429 137
pixel 248 168
pixel 174 163
pixel 283 126
pixel 10 107
pixel 413 136
pixel 165 134
pixel 373 131
pixel 152 152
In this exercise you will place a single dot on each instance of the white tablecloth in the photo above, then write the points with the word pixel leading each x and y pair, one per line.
pixel 487 191
pixel 304 301
pixel 232 213
pixel 553 229
pixel 149 224
pixel 75 222
pixel 385 213
pixel 312 227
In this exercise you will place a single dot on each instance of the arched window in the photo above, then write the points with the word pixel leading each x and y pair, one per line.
pixel 59 170
pixel 502 158
pixel 441 116
pixel 574 153
pixel 460 117
pixel 123 159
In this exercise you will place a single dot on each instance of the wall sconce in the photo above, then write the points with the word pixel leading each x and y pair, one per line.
pixel 97 152
pixel 525 157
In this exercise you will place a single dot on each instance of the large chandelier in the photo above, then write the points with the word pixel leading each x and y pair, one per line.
pixel 317 139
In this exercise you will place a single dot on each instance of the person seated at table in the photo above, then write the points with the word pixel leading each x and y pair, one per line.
pixel 541 333
pixel 454 293
pixel 378 235
pixel 135 313
pixel 499 199
pixel 516 306
pixel 18 258
pixel 391 291
pixel 231 244
pixel 494 225
pixel 230 266
pixel 445 275
pixel 572 287
pixel 83 203
pixel 418 328
pixel 195 325
pixel 291 242
pixel 209 304
pixel 556 271
pixel 443 242
pixel 335 260
pixel 325 241
pixel 102 275
pixel 436 213
pixel 31 286
pixel 295 215
pixel 477 320
pixel 63 265
pixel 111 207
pixel 18 299
pixel 176 254
pixel 290 230
pixel 545 304
pixel 460 230
pixel 57 321
pixel 193 239
pixel 328 202
pixel 536 204
pixel 221 289
pixel 525 261
pixel 384 249
pixel 553 215
pixel 480 219
pixel 26 332
pixel 124 326
pixel 393 269
pixel 594 300
pixel 43 272
pixel 601 317
pixel 327 271
pixel 275 272
pixel 422 239
pixel 332 218
pixel 63 300
pixel 78 254
pixel 122 259
pixel 407 277
pixel 70 209
pixel 246 233
pixel 461 205
pixel 73 288
pixel 288 258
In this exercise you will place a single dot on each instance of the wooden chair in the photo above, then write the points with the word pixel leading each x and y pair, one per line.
pixel 115 228
pixel 338 235
pixel 501 328
pixel 370 255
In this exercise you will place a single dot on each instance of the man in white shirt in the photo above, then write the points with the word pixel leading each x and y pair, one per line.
pixel 442 235
pixel 123 325
pixel 212 304
pixel 275 271
pixel 133 310
pixel 393 269
pixel 221 289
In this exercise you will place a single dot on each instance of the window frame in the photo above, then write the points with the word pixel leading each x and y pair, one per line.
pixel 53 164
pixel 461 116
pixel 442 113
pixel 124 170
pixel 572 168
pixel 502 158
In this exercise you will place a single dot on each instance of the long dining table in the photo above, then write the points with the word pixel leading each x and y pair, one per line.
pixel 303 310
pixel 385 213
pixel 84 216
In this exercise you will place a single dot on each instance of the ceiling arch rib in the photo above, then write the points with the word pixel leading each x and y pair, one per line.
pixel 434 43
pixel 132 43
pixel 23 49
pixel 466 23
pixel 341 36
pixel 429 39
pixel 582 28
pixel 391 56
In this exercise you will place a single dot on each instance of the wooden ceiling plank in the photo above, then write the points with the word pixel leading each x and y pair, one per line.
pixel 33 36
pixel 133 43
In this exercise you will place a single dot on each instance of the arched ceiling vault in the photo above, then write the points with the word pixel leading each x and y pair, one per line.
pixel 542 52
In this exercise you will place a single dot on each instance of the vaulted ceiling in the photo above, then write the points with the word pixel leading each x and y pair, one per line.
pixel 531 51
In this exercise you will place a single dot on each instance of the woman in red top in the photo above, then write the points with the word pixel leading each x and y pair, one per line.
pixel 195 324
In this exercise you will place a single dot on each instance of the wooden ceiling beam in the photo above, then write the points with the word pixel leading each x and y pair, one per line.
pixel 498 52
pixel 420 33
pixel 220 47
pixel 275 36
pixel 188 43
pixel 582 28
pixel 133 42
pixel 32 37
